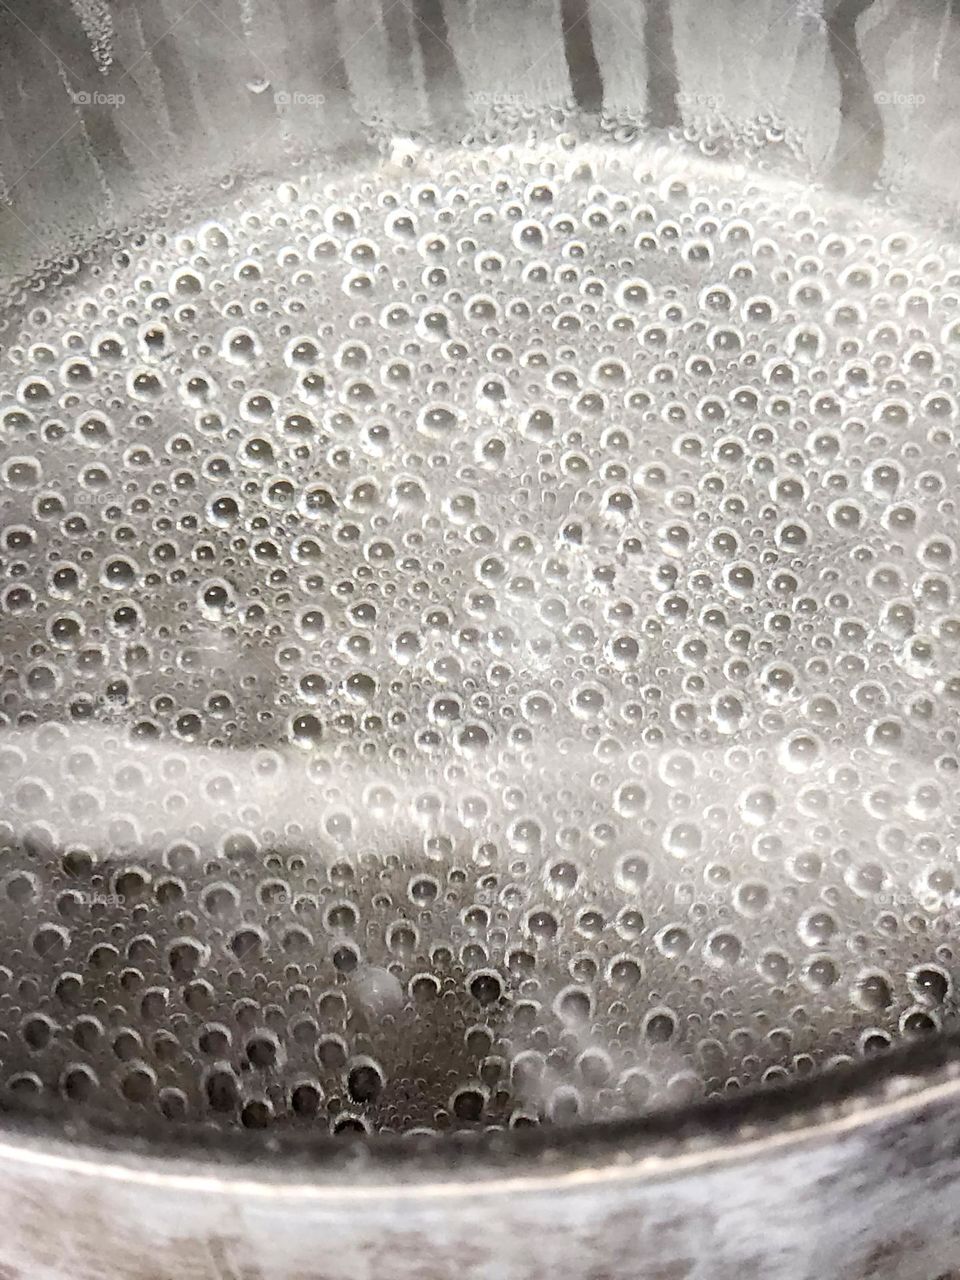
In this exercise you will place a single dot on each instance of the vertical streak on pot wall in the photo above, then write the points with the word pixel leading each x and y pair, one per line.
pixel 618 29
pixel 663 89
pixel 856 160
pixel 441 75
pixel 510 52
pixel 744 69
pixel 586 81
pixel 911 56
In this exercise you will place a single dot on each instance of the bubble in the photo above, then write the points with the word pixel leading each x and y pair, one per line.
pixel 365 1081
pixel 660 1026
pixel 486 987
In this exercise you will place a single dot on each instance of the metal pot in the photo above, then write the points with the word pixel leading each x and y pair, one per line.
pixel 121 121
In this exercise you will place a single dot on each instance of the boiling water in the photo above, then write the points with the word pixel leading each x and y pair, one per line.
pixel 479 647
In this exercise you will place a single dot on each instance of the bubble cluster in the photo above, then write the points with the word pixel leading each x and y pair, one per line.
pixel 479 648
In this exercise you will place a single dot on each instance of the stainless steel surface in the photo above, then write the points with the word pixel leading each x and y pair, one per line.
pixel 847 1187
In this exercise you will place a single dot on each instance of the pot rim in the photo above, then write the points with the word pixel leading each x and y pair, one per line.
pixel 665 1144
